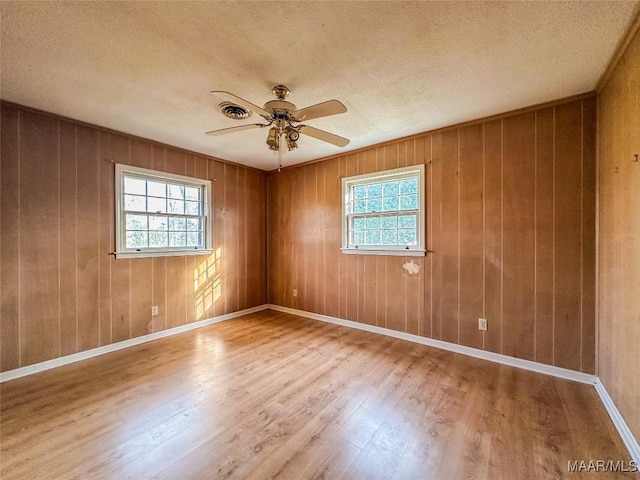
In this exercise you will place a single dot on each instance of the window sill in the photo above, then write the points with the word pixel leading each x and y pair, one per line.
pixel 164 253
pixel 397 253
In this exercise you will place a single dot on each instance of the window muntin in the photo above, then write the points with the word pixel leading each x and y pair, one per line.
pixel 159 214
pixel 384 211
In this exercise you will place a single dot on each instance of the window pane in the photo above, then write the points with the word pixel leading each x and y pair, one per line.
pixel 358 223
pixel 390 204
pixel 374 205
pixel 359 192
pixel 158 239
pixel 177 223
pixel 176 206
pixel 194 224
pixel 389 237
pixel 192 208
pixel 372 237
pixel 137 239
pixel 134 185
pixel 176 191
pixel 193 239
pixel 177 239
pixel 191 193
pixel 156 189
pixel 135 203
pixel 372 223
pixel 390 189
pixel 374 190
pixel 407 221
pixel 359 206
pixel 158 223
pixel 136 222
pixel 406 237
pixel 389 222
pixel 409 202
pixel 156 205
pixel 409 185
pixel 358 238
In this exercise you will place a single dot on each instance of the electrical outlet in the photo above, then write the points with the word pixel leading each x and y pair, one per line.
pixel 154 310
pixel 295 292
pixel 482 324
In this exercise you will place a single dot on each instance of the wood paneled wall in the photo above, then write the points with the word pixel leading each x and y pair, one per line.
pixel 619 235
pixel 510 220
pixel 62 292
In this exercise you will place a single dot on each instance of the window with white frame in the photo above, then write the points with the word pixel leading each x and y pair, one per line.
pixel 161 214
pixel 383 212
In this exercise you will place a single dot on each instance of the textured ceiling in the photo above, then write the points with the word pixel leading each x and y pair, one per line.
pixel 146 68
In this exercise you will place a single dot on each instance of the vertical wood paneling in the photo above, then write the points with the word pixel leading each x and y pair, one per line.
pixel 471 238
pixel 490 224
pixel 435 227
pixel 88 237
pixel 544 235
pixel 10 239
pixel 322 233
pixel 518 236
pixel 120 269
pixel 568 234
pixel 440 301
pixel 450 238
pixel 39 238
pixel 59 276
pixel 493 235
pixel 230 242
pixel 106 241
pixel 218 288
pixel 332 225
pixel 310 224
pixel 427 320
pixel 242 239
pixel 619 235
pixel 589 116
pixel 68 240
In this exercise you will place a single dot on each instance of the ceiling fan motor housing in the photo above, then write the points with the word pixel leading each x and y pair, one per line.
pixel 280 106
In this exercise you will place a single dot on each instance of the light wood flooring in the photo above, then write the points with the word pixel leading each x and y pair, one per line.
pixel 272 395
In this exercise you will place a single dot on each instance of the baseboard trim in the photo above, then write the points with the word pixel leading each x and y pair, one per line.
pixel 94 352
pixel 616 417
pixel 452 347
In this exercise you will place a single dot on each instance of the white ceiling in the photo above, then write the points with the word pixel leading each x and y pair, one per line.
pixel 147 68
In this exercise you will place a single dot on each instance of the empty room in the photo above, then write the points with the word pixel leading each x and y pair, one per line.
pixel 319 240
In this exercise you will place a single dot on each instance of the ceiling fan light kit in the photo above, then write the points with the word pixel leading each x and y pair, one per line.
pixel 281 116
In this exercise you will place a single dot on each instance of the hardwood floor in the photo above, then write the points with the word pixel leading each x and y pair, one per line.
pixel 272 395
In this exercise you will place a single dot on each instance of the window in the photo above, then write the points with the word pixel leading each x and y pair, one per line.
pixel 161 214
pixel 383 212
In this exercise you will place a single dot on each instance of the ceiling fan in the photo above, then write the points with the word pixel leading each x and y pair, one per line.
pixel 281 116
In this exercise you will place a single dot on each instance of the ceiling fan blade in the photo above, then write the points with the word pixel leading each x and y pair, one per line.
pixel 324 136
pixel 242 102
pixel 223 131
pixel 332 107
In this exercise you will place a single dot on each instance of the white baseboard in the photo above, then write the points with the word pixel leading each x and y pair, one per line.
pixel 452 347
pixel 94 352
pixel 616 417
